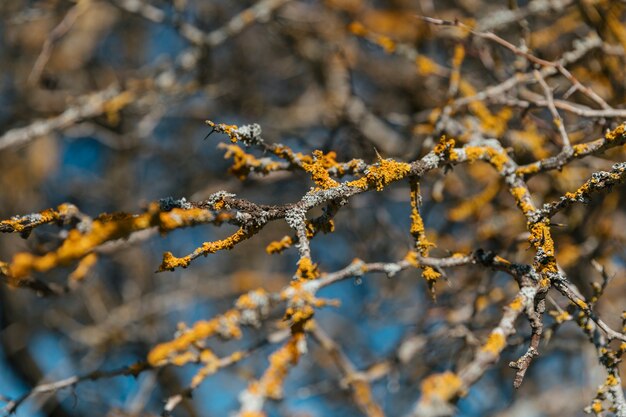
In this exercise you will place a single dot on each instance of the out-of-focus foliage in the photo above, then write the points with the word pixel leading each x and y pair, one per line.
pixel 407 208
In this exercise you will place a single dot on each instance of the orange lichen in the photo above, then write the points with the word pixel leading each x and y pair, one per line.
pixel 444 148
pixel 561 317
pixel 21 224
pixel 211 365
pixel 517 304
pixel 318 169
pixel 385 172
pixel 279 246
pixel 426 66
pixel 528 169
pixel 495 343
pixel 430 275
pixel 472 206
pixel 227 325
pixel 357 29
pixel 522 199
pixel 170 262
pixel 362 394
pixel 617 133
pixel 178 217
pixel 230 130
pixel 495 157
pixel 494 125
pixel 271 383
pixel 441 387
pixel 597 407
pixel 84 266
pixel 103 229
pixel 532 140
pixel 385 42
pixel 111 108
pixel 411 258
pixel 540 237
pixel 307 269
pixel 244 163
pixel 581 304
pixel 249 301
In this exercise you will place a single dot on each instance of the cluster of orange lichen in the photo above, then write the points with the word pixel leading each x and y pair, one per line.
pixel 177 351
pixel 280 361
pixel 381 174
pixel 422 244
pixel 79 244
pixel 495 343
pixel 279 245
pixel 318 169
pixel 181 350
pixel 230 130
pixel 171 262
pixel 244 163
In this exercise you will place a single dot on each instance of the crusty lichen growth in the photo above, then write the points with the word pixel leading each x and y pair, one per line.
pixel 522 199
pixel 307 270
pixel 318 168
pixel 80 243
pixel 541 238
pixel 278 246
pixel 171 262
pixel 230 130
pixel 245 163
pixel 422 244
pixel 495 157
pixel 444 148
pixel 378 176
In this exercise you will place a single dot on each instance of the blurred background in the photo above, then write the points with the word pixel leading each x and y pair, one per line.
pixel 103 103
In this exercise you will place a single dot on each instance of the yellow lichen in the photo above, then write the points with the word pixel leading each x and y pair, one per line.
pixel 280 361
pixel 495 157
pixel 84 266
pixel 244 163
pixel 596 406
pixel 522 199
pixel 385 172
pixel 561 317
pixel 211 365
pixel 494 125
pixel 318 168
pixel 230 130
pixel 357 29
pixel 495 343
pixel 472 206
pixel 517 304
pixel 170 262
pixel 426 66
pixel 307 269
pixel 279 246
pixel 611 380
pixel 227 325
pixel 249 301
pixel 441 388
pixel 430 274
pixel 111 108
